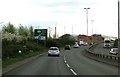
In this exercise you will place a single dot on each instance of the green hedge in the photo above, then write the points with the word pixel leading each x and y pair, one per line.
pixel 11 49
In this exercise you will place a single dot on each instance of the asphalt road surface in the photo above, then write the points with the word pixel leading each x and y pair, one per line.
pixel 70 62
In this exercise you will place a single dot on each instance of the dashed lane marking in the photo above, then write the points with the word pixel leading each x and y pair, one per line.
pixel 69 67
pixel 73 72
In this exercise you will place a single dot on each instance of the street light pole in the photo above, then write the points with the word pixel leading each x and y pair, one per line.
pixel 118 26
pixel 87 21
pixel 119 34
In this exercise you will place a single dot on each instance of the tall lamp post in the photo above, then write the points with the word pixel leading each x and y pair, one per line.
pixel 119 27
pixel 119 33
pixel 87 21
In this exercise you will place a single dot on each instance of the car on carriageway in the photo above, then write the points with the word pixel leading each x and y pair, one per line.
pixel 54 51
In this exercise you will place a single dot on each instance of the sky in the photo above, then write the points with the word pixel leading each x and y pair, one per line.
pixel 68 16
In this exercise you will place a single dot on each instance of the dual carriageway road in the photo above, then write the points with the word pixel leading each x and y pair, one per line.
pixel 70 62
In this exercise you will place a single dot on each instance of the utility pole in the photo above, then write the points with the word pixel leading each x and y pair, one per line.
pixel 87 21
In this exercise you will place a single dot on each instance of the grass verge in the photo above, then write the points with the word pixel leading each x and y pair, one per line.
pixel 21 57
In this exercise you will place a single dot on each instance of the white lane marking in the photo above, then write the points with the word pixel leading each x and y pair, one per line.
pixel 73 72
pixel 67 65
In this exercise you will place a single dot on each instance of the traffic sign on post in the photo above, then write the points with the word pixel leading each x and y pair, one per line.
pixel 40 34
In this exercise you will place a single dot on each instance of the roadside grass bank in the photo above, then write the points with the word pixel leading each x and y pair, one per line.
pixel 21 57
pixel 29 49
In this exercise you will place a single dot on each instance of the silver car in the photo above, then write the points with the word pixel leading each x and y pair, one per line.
pixel 53 51
pixel 114 51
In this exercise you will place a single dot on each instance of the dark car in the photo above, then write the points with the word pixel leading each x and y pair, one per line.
pixel 67 47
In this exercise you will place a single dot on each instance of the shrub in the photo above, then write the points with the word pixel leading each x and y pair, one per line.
pixel 115 43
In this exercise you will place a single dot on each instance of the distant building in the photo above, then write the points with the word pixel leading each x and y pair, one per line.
pixel 83 38
pixel 97 38
pixel 92 38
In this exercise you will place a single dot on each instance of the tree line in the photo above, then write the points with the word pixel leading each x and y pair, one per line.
pixel 22 38
pixel 22 31
pixel 15 39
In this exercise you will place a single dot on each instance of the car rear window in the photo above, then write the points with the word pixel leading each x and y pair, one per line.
pixel 53 49
pixel 67 45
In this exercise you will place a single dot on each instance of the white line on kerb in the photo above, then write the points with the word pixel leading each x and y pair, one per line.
pixel 65 61
pixel 73 72
pixel 67 65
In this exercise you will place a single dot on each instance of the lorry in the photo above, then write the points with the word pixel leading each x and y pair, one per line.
pixel 107 43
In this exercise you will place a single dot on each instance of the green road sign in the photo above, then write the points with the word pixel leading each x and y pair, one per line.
pixel 40 34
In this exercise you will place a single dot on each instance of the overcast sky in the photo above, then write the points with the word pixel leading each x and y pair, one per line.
pixel 69 16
